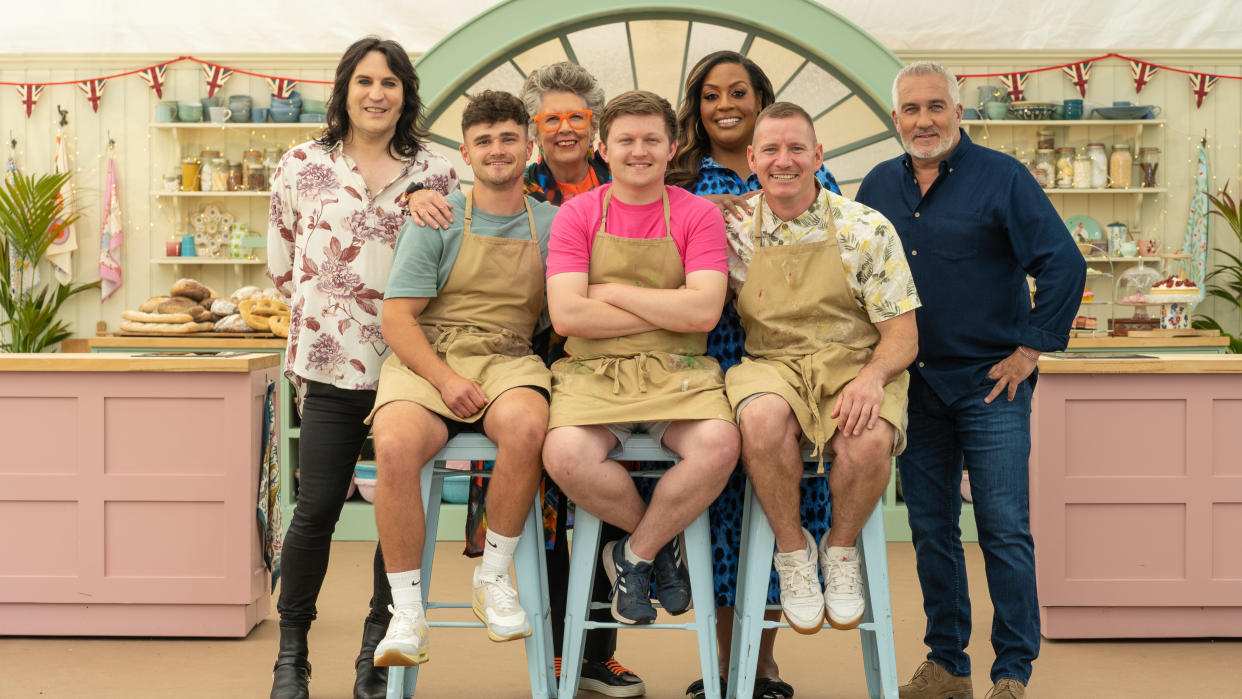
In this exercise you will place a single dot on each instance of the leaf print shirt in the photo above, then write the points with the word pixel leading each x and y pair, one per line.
pixel 330 244
pixel 871 252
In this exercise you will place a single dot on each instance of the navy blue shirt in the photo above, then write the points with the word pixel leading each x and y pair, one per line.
pixel 971 240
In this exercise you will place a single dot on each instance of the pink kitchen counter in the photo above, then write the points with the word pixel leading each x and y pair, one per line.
pixel 1136 496
pixel 128 492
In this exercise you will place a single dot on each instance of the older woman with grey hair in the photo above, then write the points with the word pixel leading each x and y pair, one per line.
pixel 564 101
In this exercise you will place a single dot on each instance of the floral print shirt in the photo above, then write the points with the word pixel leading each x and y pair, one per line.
pixel 871 252
pixel 329 249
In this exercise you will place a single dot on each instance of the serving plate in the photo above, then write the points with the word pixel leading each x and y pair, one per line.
pixel 1138 111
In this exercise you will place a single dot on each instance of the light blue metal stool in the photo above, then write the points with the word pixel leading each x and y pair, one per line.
pixel 754 571
pixel 582 562
pixel 529 563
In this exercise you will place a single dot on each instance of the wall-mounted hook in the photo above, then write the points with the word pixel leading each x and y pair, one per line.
pixel 12 141
pixel 111 141
pixel 64 116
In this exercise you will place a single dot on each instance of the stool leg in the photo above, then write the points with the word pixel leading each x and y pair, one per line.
pixel 530 566
pixel 582 559
pixel 879 655
pixel 754 571
pixel 402 680
pixel 699 562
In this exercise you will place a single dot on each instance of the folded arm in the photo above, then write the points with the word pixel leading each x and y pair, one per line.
pixel 576 314
pixel 694 307
pixel 405 336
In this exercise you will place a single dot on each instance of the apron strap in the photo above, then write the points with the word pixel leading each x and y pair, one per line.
pixel 603 216
pixel 530 215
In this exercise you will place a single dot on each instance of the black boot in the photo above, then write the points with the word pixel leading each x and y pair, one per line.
pixel 292 671
pixel 370 682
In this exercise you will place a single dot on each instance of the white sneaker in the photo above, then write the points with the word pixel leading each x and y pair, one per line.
pixel 406 641
pixel 800 597
pixel 843 589
pixel 496 605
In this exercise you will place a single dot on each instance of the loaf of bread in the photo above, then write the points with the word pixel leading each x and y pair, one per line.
pixel 178 304
pixel 140 317
pixel 223 307
pixel 193 289
pixel 232 324
pixel 152 304
pixel 246 292
pixel 165 328
pixel 201 314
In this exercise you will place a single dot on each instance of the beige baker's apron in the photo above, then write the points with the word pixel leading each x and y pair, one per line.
pixel 481 322
pixel 806 336
pixel 645 377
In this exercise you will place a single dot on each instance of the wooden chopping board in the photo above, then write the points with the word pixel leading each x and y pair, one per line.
pixel 1173 332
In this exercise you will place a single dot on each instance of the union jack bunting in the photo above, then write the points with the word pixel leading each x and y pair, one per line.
pixel 281 87
pixel 154 78
pixel 1142 74
pixel 1078 74
pixel 216 76
pixel 1201 85
pixel 1015 83
pixel 30 95
pixel 93 89
pixel 961 81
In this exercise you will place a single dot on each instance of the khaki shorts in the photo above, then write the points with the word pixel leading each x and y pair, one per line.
pixel 624 430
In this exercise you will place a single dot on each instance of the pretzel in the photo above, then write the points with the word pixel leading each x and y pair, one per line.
pixel 258 312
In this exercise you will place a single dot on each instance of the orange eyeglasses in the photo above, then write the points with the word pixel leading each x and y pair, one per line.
pixel 579 120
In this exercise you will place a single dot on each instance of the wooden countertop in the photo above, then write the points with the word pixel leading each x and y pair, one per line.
pixel 136 362
pixel 191 342
pixel 1152 364
pixel 1130 343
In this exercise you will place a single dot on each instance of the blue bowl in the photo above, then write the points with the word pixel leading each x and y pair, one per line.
pixel 456 489
pixel 285 115
pixel 306 118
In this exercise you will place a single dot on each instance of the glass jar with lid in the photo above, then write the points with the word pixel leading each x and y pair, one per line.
pixel 1149 162
pixel 1120 167
pixel 1082 171
pixel 189 173
pixel 207 164
pixel 256 180
pixel 219 174
pixel 1045 168
pixel 271 158
pixel 1065 167
pixel 1099 165
pixel 1045 138
pixel 235 182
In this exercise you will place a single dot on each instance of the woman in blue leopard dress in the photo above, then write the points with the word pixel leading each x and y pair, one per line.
pixel 724 93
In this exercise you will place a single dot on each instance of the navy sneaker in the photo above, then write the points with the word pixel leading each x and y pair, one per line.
pixel 672 580
pixel 631 585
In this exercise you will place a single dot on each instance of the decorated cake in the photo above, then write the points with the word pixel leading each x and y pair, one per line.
pixel 1174 285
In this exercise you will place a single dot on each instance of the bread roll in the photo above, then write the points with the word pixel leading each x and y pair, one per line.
pixel 177 304
pixel 162 328
pixel 232 324
pixel 223 307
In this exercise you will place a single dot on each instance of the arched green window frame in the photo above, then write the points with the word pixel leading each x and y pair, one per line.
pixel 821 37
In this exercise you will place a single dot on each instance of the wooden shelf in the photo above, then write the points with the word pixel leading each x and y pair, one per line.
pixel 1061 122
pixel 265 194
pixel 1131 190
pixel 204 261
pixel 240 126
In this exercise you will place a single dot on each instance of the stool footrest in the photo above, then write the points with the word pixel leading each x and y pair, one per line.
pixel 688 626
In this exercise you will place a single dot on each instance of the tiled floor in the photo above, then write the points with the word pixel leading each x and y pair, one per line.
pixel 465 664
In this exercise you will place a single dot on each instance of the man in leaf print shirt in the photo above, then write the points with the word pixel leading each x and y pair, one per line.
pixel 827 300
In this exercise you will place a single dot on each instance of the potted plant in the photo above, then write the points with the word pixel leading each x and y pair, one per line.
pixel 32 214
pixel 1225 281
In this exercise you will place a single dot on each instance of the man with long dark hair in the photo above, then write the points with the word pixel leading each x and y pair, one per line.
pixel 335 212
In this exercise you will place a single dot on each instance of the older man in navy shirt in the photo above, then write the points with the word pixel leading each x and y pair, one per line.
pixel 974 224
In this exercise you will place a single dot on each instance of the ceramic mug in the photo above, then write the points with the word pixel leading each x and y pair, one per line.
pixel 1073 109
pixel 219 115
pixel 1148 248
pixel 165 113
pixel 1128 248
pixel 189 112
pixel 258 115
pixel 997 110
pixel 172 248
pixel 187 246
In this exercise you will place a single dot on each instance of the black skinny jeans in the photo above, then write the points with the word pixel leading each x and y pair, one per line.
pixel 332 437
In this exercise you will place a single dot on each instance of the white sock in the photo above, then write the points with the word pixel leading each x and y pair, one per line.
pixel 407 589
pixel 497 553
pixel 633 557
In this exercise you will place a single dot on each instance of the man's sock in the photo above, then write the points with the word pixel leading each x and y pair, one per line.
pixel 497 553
pixel 407 589
pixel 633 557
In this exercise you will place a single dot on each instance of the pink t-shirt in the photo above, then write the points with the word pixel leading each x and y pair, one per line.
pixel 698 229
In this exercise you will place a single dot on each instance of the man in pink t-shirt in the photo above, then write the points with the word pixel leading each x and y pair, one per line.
pixel 636 277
